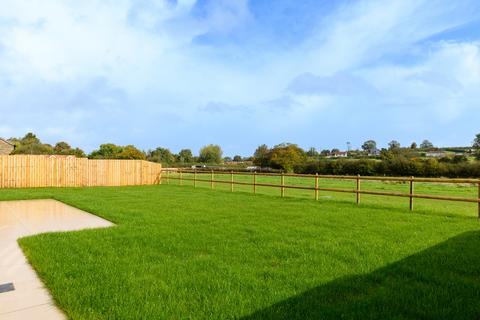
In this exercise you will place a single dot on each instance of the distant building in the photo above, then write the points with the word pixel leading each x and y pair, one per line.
pixel 339 154
pixel 6 147
pixel 435 154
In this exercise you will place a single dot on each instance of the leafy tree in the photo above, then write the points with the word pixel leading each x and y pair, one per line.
pixel 261 157
pixel 393 145
pixel 161 155
pixel 312 152
pixel 130 152
pixel 476 146
pixel 30 144
pixel 227 159
pixel 106 151
pixel 325 152
pixel 286 156
pixel 64 148
pixel 185 156
pixel 369 146
pixel 237 158
pixel 335 150
pixel 210 154
pixel 426 144
pixel 413 146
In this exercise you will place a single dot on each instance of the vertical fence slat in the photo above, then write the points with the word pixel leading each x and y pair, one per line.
pixel 412 190
pixel 283 185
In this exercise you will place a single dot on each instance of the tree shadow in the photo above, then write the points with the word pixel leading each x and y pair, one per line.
pixel 442 282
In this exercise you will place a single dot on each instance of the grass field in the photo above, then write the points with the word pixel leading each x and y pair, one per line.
pixel 184 253
pixel 423 205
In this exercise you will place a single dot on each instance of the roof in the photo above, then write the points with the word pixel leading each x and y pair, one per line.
pixel 3 140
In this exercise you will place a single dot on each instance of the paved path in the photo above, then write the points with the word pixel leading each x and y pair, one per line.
pixel 30 300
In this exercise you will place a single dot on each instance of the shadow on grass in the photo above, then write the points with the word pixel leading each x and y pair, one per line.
pixel 442 282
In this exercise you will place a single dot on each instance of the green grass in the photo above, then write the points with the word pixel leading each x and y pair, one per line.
pixel 184 253
pixel 422 205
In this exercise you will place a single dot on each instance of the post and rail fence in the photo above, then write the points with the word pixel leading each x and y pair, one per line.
pixel 316 188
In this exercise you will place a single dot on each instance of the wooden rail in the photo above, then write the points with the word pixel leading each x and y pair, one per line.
pixel 357 190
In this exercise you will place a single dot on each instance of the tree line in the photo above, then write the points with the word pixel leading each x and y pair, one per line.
pixel 394 160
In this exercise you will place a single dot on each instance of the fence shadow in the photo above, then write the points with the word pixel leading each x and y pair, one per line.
pixel 442 282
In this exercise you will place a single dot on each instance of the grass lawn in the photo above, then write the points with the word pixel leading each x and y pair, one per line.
pixel 429 206
pixel 184 253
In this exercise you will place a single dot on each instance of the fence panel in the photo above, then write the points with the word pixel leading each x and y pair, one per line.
pixel 30 171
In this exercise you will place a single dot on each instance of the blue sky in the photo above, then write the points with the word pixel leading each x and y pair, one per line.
pixel 185 73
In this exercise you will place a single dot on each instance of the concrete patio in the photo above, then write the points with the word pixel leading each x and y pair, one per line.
pixel 29 299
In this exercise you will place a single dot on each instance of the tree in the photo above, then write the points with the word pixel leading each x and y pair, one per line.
pixel 185 156
pixel 325 152
pixel 30 144
pixel 312 152
pixel 334 150
pixel 369 146
pixel 476 146
pixel 393 145
pixel 286 156
pixel 237 158
pixel 161 155
pixel 130 152
pixel 413 146
pixel 261 156
pixel 64 148
pixel 106 151
pixel 210 154
pixel 426 144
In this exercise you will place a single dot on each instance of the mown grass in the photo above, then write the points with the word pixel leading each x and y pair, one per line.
pixel 422 205
pixel 184 253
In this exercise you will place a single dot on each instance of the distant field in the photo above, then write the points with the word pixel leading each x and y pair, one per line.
pixel 185 253
pixel 421 205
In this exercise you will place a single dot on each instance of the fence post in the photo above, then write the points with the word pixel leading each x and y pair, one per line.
pixel 168 176
pixel 211 180
pixel 195 178
pixel 316 186
pixel 231 181
pixel 412 189
pixel 283 185
pixel 181 181
pixel 479 199
pixel 255 182
pixel 358 189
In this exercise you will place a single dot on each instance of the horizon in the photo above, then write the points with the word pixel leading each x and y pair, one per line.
pixel 184 74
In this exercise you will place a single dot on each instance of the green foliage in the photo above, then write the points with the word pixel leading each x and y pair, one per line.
pixel 161 155
pixel 369 146
pixel 113 151
pixel 185 156
pixel 413 146
pixel 393 145
pixel 312 153
pixel 237 158
pixel 64 148
pixel 476 146
pixel 210 154
pixel 286 156
pixel 31 144
pixel 426 144
pixel 261 157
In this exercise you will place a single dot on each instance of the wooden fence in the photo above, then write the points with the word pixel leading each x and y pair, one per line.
pixel 357 190
pixel 29 171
